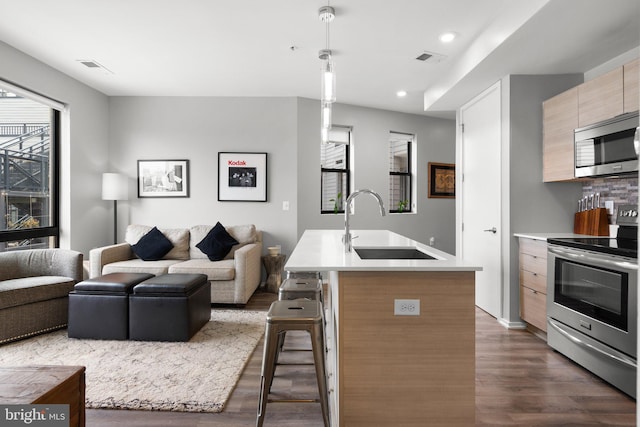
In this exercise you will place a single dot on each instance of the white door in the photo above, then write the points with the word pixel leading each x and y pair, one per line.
pixel 480 198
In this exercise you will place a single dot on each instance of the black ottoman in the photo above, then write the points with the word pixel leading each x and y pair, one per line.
pixel 170 307
pixel 99 307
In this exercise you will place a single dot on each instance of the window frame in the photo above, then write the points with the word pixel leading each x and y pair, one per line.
pixel 346 171
pixel 51 231
pixel 410 138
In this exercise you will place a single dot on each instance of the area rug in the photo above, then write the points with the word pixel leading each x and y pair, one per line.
pixel 196 376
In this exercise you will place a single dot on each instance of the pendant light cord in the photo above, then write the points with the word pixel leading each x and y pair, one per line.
pixel 328 24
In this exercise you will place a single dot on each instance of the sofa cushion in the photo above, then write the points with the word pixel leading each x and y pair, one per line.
pixel 217 243
pixel 152 246
pixel 218 270
pixel 17 264
pixel 179 237
pixel 140 266
pixel 244 234
pixel 16 292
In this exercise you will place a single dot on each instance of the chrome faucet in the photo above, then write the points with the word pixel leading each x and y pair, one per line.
pixel 347 239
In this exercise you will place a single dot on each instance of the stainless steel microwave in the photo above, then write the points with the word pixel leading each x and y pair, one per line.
pixel 607 148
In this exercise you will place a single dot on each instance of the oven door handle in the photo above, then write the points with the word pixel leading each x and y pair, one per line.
pixel 586 257
pixel 622 359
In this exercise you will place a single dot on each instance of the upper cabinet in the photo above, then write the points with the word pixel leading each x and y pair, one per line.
pixel 601 98
pixel 631 87
pixel 559 119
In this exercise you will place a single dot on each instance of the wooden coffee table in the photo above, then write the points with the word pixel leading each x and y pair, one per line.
pixel 45 384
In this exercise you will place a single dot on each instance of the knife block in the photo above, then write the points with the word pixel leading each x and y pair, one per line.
pixel 593 222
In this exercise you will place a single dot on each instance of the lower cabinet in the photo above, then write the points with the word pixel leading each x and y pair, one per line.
pixel 397 370
pixel 533 282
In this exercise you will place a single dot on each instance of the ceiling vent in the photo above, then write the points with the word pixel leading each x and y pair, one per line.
pixel 430 57
pixel 90 63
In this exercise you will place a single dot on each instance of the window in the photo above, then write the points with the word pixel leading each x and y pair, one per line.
pixel 28 171
pixel 334 160
pixel 400 172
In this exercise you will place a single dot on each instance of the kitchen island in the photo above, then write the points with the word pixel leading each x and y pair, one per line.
pixel 400 332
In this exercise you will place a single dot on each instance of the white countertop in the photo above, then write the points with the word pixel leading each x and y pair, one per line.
pixel 545 236
pixel 322 250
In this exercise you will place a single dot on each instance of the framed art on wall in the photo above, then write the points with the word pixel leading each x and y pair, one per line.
pixel 163 178
pixel 242 177
pixel 442 180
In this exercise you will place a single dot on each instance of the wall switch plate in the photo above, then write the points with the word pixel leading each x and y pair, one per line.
pixel 406 307
pixel 285 206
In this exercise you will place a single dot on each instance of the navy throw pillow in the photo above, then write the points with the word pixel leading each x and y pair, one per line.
pixel 152 246
pixel 217 243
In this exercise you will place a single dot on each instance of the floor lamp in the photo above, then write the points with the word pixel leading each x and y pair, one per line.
pixel 114 187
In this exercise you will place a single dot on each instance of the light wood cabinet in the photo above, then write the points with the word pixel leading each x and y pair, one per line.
pixel 631 73
pixel 533 282
pixel 388 370
pixel 601 98
pixel 560 118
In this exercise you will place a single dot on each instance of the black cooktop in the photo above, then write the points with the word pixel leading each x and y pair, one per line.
pixel 625 244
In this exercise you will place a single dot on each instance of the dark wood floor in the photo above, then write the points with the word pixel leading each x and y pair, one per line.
pixel 520 381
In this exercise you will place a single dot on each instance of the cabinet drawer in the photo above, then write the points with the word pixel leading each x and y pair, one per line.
pixel 535 281
pixel 533 307
pixel 533 264
pixel 534 247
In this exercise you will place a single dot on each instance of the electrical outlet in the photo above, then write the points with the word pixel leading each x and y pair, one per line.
pixel 406 307
pixel 609 205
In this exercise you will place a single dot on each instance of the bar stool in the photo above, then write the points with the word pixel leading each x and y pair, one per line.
pixel 293 315
pixel 302 275
pixel 308 288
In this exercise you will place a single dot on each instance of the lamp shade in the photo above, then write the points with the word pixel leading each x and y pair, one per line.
pixel 114 187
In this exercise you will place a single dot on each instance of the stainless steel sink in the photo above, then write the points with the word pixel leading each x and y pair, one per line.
pixel 391 253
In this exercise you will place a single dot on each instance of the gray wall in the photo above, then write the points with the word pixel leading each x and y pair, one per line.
pixel 533 206
pixel 435 143
pixel 197 128
pixel 84 217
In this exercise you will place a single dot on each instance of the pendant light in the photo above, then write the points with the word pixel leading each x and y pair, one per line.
pixel 325 121
pixel 327 76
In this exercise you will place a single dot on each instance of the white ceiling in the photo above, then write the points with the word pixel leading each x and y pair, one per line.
pixel 244 47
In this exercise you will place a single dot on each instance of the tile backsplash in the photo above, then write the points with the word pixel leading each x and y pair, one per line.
pixel 623 191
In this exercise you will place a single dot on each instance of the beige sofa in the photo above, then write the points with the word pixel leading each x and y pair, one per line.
pixel 34 290
pixel 233 279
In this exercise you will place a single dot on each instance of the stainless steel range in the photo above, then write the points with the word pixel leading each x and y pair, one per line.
pixel 592 301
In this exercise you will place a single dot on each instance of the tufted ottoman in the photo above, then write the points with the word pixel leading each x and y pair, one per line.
pixel 169 307
pixel 99 307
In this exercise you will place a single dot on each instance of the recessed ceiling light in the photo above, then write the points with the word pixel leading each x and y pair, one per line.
pixel 447 37
pixel 401 93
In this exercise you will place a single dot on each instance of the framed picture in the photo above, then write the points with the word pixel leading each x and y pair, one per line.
pixel 442 180
pixel 163 178
pixel 242 177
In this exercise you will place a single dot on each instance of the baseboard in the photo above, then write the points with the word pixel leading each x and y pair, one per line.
pixel 512 325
